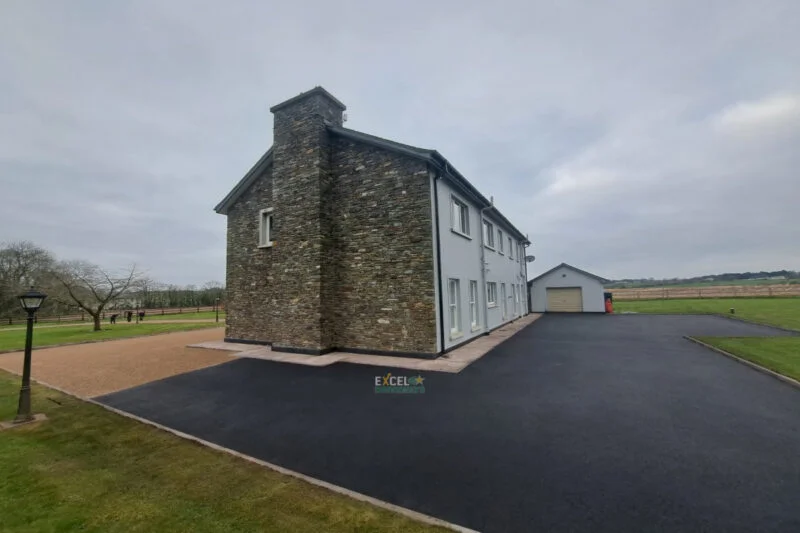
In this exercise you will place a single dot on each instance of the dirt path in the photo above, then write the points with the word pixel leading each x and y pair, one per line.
pixel 100 368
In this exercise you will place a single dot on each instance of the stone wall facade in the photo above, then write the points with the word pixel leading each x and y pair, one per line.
pixel 249 277
pixel 352 262
pixel 382 294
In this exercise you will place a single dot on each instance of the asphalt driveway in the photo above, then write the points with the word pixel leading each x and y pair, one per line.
pixel 577 423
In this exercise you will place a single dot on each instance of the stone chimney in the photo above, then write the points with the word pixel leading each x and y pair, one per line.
pixel 300 177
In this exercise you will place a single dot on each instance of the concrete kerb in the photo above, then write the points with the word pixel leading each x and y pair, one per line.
pixel 754 366
pixel 414 515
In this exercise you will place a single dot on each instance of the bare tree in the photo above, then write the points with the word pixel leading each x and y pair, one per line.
pixel 22 264
pixel 90 287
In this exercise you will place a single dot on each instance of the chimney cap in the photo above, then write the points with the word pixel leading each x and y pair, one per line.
pixel 316 90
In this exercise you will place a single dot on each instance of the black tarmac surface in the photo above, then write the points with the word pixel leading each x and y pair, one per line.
pixel 577 423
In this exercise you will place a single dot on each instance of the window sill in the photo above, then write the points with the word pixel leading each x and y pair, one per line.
pixel 461 234
pixel 475 328
pixel 489 247
pixel 457 335
pixel 492 305
pixel 267 245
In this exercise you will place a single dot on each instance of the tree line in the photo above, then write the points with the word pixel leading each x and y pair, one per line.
pixel 81 286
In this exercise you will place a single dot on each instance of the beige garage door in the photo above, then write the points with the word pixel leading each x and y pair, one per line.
pixel 565 300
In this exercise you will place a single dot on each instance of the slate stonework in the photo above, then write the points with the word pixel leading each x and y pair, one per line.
pixel 382 293
pixel 251 315
pixel 352 265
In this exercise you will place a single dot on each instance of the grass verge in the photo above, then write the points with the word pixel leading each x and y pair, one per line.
pixel 779 354
pixel 15 339
pixel 783 312
pixel 91 470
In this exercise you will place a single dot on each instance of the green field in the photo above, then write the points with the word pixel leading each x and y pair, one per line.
pixel 14 339
pixel 780 354
pixel 87 469
pixel 783 312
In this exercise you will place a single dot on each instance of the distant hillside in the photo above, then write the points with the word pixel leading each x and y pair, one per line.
pixel 743 278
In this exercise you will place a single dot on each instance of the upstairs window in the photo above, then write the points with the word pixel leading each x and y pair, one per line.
pixel 265 228
pixel 500 240
pixel 459 216
pixel 510 248
pixel 488 233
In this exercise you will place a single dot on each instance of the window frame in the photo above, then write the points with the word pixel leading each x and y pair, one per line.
pixel 511 248
pixel 474 314
pixel 454 307
pixel 501 246
pixel 266 218
pixel 488 234
pixel 491 299
pixel 463 209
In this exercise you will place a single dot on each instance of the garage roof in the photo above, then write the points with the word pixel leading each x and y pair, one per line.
pixel 578 270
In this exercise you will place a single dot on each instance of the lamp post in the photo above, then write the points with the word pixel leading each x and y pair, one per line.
pixel 216 308
pixel 31 301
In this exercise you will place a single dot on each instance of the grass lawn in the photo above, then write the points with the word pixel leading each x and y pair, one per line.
pixel 781 354
pixel 784 312
pixel 186 315
pixel 15 339
pixel 86 469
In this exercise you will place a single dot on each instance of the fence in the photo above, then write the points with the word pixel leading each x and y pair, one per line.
pixel 721 291
pixel 85 317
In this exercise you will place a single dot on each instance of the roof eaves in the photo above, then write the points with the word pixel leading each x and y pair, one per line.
pixel 405 149
pixel 575 269
pixel 244 183
pixel 457 176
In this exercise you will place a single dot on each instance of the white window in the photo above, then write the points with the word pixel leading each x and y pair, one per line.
pixel 500 240
pixel 516 299
pixel 488 233
pixel 265 227
pixel 455 307
pixel 491 294
pixel 510 248
pixel 459 216
pixel 473 303
pixel 504 300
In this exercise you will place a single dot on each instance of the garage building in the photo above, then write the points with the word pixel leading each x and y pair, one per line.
pixel 566 289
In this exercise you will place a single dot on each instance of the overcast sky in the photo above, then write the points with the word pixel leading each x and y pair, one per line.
pixel 629 138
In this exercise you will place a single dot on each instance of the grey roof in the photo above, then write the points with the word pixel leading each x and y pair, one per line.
pixel 431 157
pixel 578 270
pixel 245 182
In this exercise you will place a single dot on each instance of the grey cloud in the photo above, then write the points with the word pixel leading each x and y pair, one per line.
pixel 628 138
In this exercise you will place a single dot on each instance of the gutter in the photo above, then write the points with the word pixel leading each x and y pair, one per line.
pixel 483 272
pixel 438 260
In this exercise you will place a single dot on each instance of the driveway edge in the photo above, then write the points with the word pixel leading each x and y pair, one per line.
pixel 414 515
pixel 754 366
